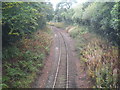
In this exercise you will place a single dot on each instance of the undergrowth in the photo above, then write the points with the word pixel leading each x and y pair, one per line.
pixel 57 24
pixel 99 57
pixel 22 60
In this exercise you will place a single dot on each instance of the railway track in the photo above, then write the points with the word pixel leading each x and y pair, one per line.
pixel 62 64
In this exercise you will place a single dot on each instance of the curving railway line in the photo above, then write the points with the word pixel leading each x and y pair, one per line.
pixel 61 73
pixel 62 68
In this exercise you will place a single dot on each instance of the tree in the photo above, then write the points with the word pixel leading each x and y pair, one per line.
pixel 60 9
pixel 21 18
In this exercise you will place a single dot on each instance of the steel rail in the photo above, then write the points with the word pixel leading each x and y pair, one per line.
pixel 59 60
pixel 67 65
pixel 58 64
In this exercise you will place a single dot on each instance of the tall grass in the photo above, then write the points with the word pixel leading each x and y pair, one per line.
pixel 99 57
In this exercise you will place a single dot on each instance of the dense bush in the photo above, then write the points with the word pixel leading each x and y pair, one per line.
pixel 101 17
pixel 24 48
pixel 100 55
pixel 20 18
pixel 99 58
pixel 23 60
pixel 115 21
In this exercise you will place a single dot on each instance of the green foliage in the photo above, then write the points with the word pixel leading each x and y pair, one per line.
pixel 23 60
pixel 61 9
pixel 16 72
pixel 76 31
pixel 115 16
pixel 20 18
pixel 23 52
pixel 102 17
pixel 11 52
pixel 77 9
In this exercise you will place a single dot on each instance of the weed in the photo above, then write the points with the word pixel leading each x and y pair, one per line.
pixel 98 56
pixel 22 61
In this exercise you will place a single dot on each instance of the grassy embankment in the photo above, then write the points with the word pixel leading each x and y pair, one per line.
pixel 97 55
pixel 58 24
pixel 23 60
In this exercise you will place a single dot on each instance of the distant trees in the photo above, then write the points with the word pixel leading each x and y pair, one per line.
pixel 102 17
pixel 61 9
pixel 21 18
